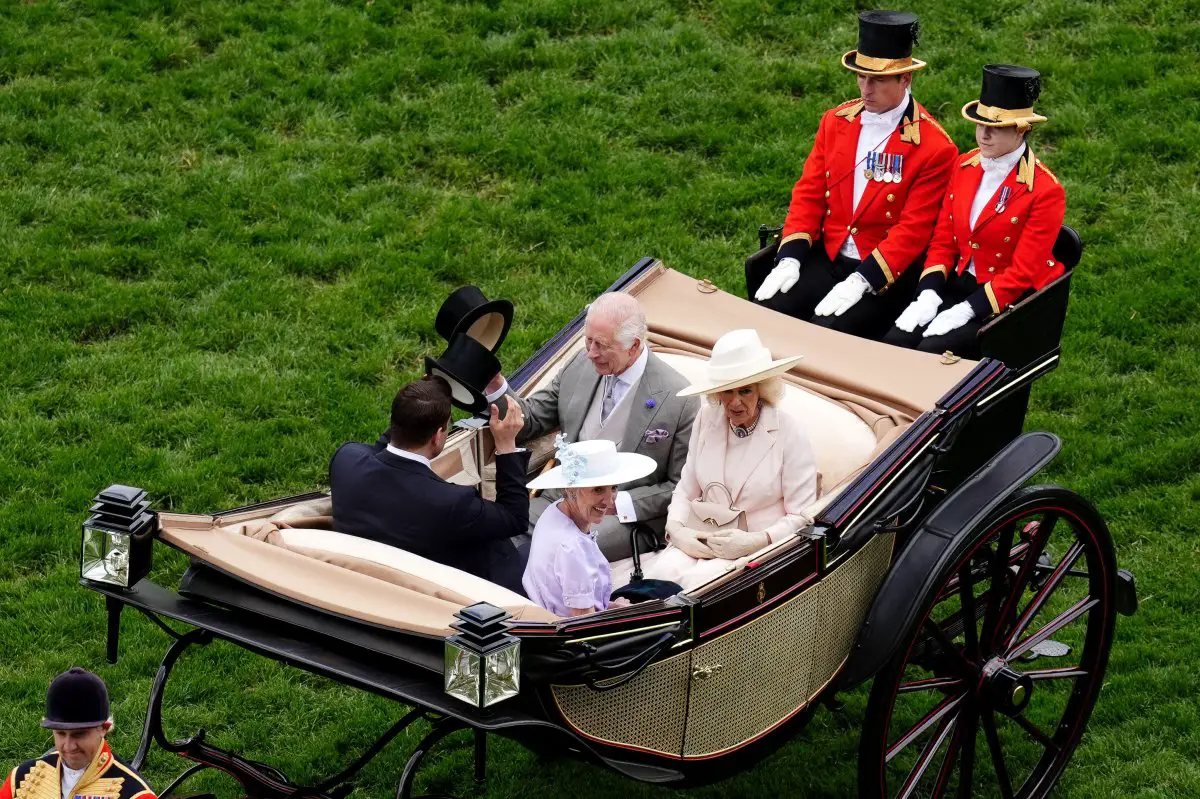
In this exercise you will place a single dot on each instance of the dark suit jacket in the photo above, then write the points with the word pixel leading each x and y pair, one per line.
pixel 402 503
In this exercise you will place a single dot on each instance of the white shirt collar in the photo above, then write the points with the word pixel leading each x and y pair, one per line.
pixel 635 370
pixel 1003 164
pixel 887 119
pixel 70 778
pixel 412 456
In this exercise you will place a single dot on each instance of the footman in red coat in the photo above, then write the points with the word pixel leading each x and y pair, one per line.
pixel 999 221
pixel 866 204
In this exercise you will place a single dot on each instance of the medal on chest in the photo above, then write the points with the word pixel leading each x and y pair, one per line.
pixel 1002 200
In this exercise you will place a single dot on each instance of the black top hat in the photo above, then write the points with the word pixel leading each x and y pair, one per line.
pixel 885 44
pixel 1006 97
pixel 76 700
pixel 468 311
pixel 468 367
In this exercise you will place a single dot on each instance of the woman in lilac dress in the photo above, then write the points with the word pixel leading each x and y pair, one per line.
pixel 566 573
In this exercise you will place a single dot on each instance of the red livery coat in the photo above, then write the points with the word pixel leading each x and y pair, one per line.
pixel 106 777
pixel 893 223
pixel 1012 246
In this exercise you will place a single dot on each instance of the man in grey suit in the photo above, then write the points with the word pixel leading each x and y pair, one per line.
pixel 619 390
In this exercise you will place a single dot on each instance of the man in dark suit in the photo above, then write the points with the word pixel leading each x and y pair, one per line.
pixel 393 496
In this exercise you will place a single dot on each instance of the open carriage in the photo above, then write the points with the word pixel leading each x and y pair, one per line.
pixel 982 608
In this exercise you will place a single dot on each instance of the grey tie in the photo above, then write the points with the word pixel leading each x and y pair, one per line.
pixel 607 406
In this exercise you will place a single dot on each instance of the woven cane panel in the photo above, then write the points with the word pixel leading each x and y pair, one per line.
pixel 846 596
pixel 763 673
pixel 648 712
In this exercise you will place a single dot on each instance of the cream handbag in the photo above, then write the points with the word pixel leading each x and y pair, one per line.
pixel 710 516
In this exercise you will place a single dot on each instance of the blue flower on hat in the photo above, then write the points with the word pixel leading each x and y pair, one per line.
pixel 574 465
pixel 650 403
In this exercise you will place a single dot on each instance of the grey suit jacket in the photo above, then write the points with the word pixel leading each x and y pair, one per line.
pixel 564 404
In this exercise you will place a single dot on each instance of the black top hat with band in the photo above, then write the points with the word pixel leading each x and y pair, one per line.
pixel 468 367
pixel 885 44
pixel 76 700
pixel 1006 97
pixel 468 311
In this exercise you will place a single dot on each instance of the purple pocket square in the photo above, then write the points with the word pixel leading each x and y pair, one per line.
pixel 655 435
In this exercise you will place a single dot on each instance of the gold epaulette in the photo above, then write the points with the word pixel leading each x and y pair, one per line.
pixel 940 129
pixel 972 158
pixel 849 109
pixel 1045 169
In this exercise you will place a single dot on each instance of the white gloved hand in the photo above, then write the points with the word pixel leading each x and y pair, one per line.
pixel 734 544
pixel 686 541
pixel 843 296
pixel 952 318
pixel 782 278
pixel 920 311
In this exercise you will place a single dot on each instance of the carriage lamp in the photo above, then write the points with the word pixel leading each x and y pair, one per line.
pixel 118 537
pixel 483 662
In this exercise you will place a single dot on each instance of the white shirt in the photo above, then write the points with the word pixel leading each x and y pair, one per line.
pixel 620 387
pixel 873 137
pixel 70 778
pixel 412 456
pixel 995 170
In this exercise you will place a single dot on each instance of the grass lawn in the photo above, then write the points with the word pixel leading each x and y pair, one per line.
pixel 225 227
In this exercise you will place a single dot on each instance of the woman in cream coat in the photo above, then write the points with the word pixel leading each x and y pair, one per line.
pixel 741 440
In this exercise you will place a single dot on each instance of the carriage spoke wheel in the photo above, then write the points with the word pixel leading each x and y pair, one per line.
pixel 994 685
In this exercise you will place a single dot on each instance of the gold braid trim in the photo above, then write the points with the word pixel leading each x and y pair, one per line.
pixel 911 131
pixel 882 64
pixel 795 236
pixel 991 295
pixel 40 783
pixel 851 110
pixel 883 264
pixel 931 269
pixel 973 160
pixel 1025 170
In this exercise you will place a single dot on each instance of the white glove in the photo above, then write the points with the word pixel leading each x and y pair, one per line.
pixel 734 544
pixel 686 541
pixel 782 278
pixel 843 296
pixel 952 318
pixel 920 311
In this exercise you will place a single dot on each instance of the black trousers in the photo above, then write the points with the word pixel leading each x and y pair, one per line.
pixel 962 341
pixel 870 317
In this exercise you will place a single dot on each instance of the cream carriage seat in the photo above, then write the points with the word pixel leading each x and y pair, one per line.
pixel 448 577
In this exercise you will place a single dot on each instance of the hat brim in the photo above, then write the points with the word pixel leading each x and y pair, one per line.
pixel 51 724
pixel 777 367
pixel 631 466
pixel 969 114
pixel 461 394
pixel 488 323
pixel 848 63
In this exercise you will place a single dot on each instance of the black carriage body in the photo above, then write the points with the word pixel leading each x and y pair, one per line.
pixel 665 691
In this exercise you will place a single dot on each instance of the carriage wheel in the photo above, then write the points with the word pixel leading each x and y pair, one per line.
pixel 992 689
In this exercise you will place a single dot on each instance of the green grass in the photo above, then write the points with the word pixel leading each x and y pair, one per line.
pixel 225 226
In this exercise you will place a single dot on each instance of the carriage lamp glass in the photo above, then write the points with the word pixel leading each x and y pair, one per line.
pixel 117 537
pixel 482 661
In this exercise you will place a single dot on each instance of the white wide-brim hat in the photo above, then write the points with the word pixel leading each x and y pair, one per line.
pixel 738 359
pixel 586 464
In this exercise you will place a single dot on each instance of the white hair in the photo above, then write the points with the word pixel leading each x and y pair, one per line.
pixel 770 391
pixel 626 311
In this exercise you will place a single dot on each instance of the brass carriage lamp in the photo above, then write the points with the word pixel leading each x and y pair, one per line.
pixel 483 662
pixel 118 537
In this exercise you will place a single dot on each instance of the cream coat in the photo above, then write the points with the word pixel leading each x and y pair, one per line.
pixel 774 492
